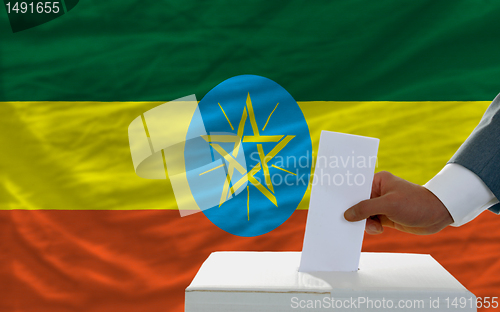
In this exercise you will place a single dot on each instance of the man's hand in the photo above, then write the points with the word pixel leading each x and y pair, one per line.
pixel 402 205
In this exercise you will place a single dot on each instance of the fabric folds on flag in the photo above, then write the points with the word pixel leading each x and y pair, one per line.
pixel 81 231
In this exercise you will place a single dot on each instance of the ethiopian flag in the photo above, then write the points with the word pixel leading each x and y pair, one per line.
pixel 81 231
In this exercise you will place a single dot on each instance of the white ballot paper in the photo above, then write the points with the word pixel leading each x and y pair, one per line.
pixel 343 177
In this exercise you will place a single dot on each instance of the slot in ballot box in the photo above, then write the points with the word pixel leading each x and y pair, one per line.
pixel 271 282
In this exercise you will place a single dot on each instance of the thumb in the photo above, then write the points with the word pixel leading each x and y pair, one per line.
pixel 367 208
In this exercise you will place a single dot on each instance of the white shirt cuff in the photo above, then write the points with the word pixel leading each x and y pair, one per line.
pixel 462 192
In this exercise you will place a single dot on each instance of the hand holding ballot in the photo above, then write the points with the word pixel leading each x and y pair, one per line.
pixel 468 185
pixel 402 205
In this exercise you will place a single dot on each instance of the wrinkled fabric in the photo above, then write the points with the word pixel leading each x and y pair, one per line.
pixel 81 232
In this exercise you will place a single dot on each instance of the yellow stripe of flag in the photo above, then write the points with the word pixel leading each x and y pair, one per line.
pixel 75 155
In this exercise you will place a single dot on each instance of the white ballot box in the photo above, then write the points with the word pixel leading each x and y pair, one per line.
pixel 271 282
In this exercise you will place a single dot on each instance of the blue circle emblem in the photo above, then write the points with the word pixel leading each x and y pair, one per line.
pixel 248 155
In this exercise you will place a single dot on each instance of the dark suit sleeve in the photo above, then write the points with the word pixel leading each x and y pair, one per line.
pixel 480 153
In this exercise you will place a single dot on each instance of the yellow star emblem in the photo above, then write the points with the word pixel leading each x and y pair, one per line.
pixel 281 140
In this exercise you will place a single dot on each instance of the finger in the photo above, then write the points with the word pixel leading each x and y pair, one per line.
pixel 386 222
pixel 376 192
pixel 367 208
pixel 373 226
pixel 414 230
pixel 379 179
